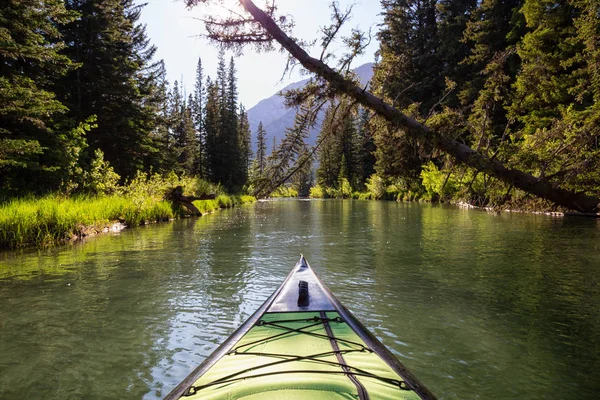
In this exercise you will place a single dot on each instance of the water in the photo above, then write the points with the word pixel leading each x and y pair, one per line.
pixel 476 305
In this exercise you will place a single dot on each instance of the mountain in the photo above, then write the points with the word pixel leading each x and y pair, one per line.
pixel 276 117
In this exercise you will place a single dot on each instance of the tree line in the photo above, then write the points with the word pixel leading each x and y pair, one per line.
pixel 209 133
pixel 487 100
pixel 484 101
pixel 82 99
pixel 515 80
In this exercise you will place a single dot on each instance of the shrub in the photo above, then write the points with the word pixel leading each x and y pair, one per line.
pixel 438 183
pixel 318 192
pixel 376 186
pixel 284 191
pixel 101 178
pixel 345 190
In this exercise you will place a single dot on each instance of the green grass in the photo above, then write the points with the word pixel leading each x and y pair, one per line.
pixel 54 219
pixel 222 201
pixel 284 191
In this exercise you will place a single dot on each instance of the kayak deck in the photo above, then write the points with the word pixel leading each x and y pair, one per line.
pixel 300 355
pixel 301 343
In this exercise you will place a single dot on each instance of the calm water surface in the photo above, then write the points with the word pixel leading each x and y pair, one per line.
pixel 476 305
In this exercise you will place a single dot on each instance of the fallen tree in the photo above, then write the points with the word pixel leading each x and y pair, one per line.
pixel 177 197
pixel 260 29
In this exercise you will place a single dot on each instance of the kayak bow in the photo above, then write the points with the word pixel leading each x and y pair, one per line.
pixel 301 343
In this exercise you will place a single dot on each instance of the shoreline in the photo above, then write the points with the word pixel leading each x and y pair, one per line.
pixel 463 204
pixel 51 221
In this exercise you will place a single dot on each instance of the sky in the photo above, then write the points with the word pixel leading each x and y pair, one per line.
pixel 177 34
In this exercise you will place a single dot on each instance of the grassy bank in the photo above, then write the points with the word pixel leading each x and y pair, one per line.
pixel 442 188
pixel 283 192
pixel 54 219
pixel 377 189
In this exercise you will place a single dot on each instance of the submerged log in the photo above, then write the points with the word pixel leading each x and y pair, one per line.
pixel 177 197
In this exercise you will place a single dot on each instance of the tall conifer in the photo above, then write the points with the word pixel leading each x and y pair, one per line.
pixel 114 81
pixel 198 117
pixel 211 129
pixel 261 148
pixel 366 148
pixel 235 167
pixel 558 136
pixel 36 142
pixel 328 152
pixel 244 139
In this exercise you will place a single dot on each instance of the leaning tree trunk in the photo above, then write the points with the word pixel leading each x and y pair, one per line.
pixel 460 152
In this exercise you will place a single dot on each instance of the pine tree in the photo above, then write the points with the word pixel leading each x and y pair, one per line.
pixel 348 147
pixel 174 118
pixel 409 71
pixel 225 151
pixel 273 147
pixel 38 145
pixel 544 80
pixel 164 159
pixel 114 82
pixel 491 33
pixel 555 108
pixel 587 25
pixel 491 29
pixel 366 148
pixel 244 139
pixel 236 175
pixel 303 180
pixel 339 147
pixel 211 129
pixel 188 142
pixel 584 172
pixel 328 154
pixel 198 117
pixel 410 77
pixel 452 19
pixel 199 97
pixel 222 139
pixel 261 148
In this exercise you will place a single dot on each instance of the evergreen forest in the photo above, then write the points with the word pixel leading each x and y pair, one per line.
pixel 85 107
pixel 518 81
pixel 83 101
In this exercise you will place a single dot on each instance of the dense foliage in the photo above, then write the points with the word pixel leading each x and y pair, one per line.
pixel 517 80
pixel 84 106
pixel 36 145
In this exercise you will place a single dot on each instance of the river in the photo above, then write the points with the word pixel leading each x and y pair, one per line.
pixel 476 305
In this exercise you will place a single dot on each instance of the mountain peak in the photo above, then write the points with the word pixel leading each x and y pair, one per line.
pixel 276 117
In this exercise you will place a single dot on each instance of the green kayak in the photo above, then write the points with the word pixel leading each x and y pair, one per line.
pixel 302 343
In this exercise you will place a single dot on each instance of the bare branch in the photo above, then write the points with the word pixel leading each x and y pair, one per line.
pixel 332 30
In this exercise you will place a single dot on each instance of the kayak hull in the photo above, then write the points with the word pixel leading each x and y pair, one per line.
pixel 301 343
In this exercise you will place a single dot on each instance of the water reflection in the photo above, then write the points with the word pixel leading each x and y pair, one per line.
pixel 476 305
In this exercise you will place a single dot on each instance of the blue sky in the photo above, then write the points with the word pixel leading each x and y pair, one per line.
pixel 177 33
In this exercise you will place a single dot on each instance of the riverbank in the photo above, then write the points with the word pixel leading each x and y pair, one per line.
pixel 524 205
pixel 519 201
pixel 57 219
